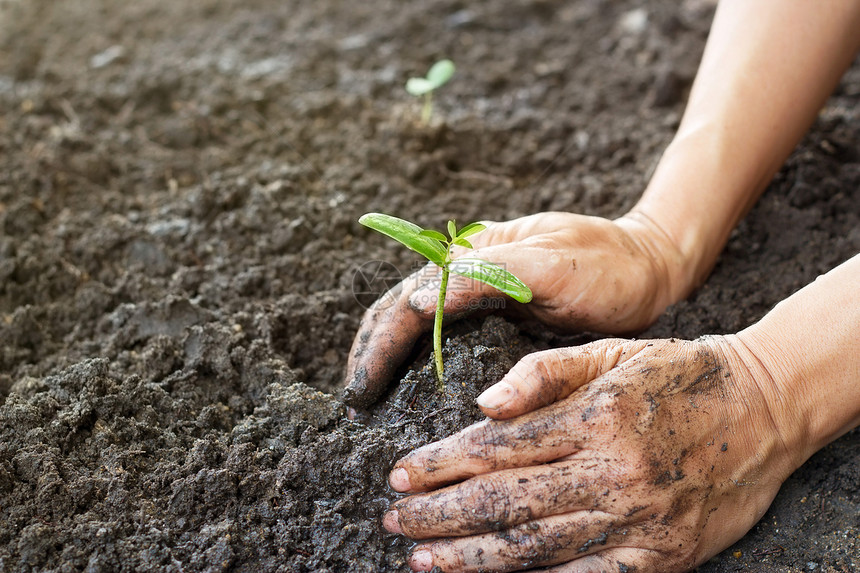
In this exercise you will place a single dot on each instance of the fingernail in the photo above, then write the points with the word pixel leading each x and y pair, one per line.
pixel 421 560
pixel 496 396
pixel 391 522
pixel 399 480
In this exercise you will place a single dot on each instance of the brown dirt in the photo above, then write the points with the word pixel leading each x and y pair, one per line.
pixel 179 191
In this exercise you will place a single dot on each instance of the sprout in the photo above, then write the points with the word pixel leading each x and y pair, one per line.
pixel 436 248
pixel 437 76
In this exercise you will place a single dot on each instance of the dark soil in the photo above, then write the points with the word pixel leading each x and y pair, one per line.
pixel 179 189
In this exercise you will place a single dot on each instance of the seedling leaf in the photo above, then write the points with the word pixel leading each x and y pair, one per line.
pixel 434 235
pixel 440 73
pixel 471 229
pixel 419 86
pixel 493 275
pixel 408 234
pixel 436 247
pixel 437 76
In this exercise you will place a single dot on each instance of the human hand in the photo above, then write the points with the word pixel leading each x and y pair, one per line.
pixel 651 456
pixel 585 273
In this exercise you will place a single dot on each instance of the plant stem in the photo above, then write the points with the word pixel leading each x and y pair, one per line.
pixel 427 110
pixel 437 329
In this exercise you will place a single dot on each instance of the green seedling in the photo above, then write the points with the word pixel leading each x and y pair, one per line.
pixel 436 247
pixel 436 77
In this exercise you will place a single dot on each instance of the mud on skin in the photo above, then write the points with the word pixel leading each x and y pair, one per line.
pixel 178 238
pixel 586 475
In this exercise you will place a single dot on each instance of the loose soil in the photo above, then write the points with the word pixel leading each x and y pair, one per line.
pixel 179 191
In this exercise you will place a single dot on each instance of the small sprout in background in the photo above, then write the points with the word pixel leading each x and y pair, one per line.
pixel 436 247
pixel 437 76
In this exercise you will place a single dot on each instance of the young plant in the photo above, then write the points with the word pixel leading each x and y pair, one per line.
pixel 437 76
pixel 436 247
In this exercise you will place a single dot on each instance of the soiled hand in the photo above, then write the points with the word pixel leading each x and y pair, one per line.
pixel 614 456
pixel 585 273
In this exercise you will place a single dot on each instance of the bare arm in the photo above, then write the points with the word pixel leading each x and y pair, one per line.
pixel 768 67
pixel 810 345
pixel 591 451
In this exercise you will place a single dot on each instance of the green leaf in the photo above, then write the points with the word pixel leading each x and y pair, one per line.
pixel 408 234
pixel 434 235
pixel 452 229
pixel 437 76
pixel 440 73
pixel 463 243
pixel 493 275
pixel 419 86
pixel 471 229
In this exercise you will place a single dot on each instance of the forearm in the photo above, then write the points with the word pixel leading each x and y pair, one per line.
pixel 809 345
pixel 768 67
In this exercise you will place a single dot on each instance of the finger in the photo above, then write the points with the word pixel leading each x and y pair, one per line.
pixel 542 378
pixel 538 437
pixel 503 499
pixel 616 559
pixel 542 542
pixel 500 233
pixel 385 338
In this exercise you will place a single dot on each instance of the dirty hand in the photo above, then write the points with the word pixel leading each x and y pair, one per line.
pixel 585 273
pixel 651 456
pixel 646 456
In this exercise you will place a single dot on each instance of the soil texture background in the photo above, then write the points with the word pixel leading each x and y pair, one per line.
pixel 180 184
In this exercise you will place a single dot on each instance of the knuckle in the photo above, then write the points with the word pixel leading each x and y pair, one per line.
pixel 482 445
pixel 419 517
pixel 491 504
pixel 455 554
pixel 530 545
pixel 542 242
pixel 608 419
pixel 638 465
pixel 537 377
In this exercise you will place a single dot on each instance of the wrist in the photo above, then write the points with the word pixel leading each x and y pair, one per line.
pixel 809 351
pixel 697 195
pixel 753 363
pixel 671 266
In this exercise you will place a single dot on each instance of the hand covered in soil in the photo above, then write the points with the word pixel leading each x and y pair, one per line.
pixel 651 456
pixel 585 273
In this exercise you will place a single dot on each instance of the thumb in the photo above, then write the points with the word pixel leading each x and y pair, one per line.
pixel 545 377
